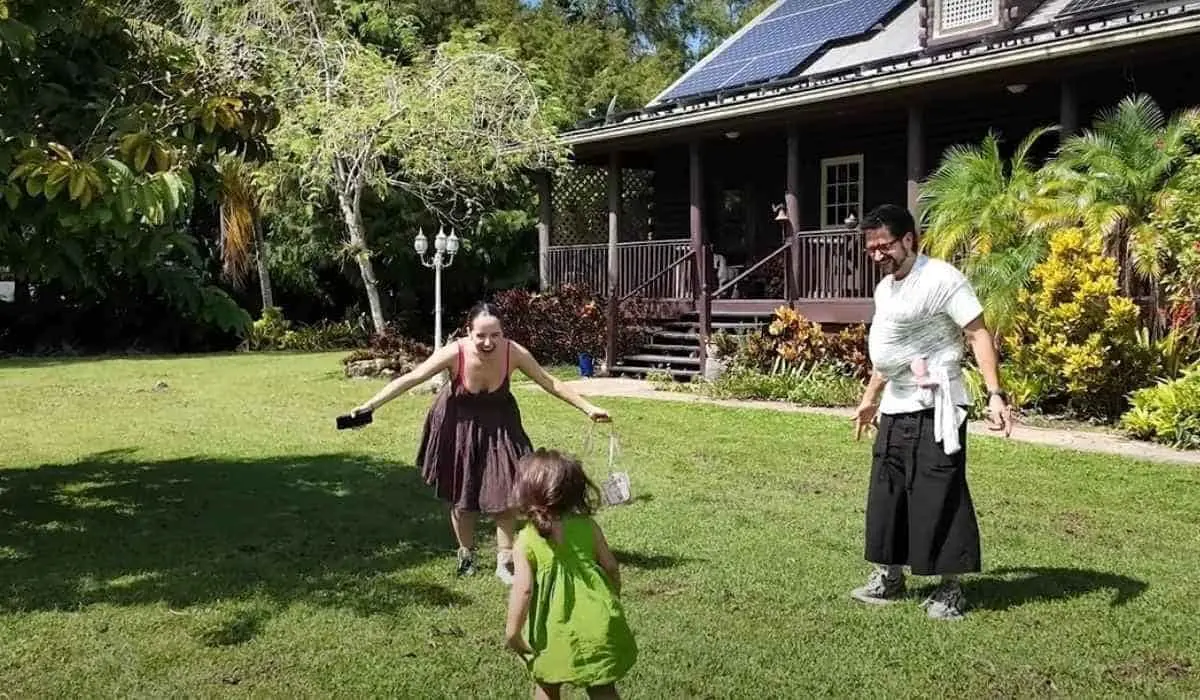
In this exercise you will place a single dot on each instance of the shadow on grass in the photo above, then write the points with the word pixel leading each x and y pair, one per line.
pixel 649 562
pixel 324 529
pixel 1007 588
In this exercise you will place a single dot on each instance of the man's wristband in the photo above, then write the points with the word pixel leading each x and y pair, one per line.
pixel 998 392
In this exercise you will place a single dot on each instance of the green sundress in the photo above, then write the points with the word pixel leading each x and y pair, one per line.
pixel 576 623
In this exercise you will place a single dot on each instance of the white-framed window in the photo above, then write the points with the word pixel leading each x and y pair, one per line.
pixel 957 16
pixel 8 289
pixel 841 190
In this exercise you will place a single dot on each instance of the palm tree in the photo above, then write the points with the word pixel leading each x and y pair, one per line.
pixel 241 235
pixel 988 215
pixel 1109 179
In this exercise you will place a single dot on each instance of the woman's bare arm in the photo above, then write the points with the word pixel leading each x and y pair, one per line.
pixel 437 362
pixel 555 387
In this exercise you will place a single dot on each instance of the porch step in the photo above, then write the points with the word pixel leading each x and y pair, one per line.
pixel 640 372
pixel 717 325
pixel 677 335
pixel 667 348
pixel 662 359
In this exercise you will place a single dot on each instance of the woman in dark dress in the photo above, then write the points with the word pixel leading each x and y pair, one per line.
pixel 473 437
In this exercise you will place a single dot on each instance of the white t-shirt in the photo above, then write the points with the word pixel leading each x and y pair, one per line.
pixel 924 313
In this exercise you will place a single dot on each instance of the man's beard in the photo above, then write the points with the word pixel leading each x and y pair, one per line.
pixel 891 265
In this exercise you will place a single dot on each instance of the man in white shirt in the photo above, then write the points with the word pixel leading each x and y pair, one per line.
pixel 919 509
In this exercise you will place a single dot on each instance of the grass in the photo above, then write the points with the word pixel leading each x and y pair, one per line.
pixel 217 538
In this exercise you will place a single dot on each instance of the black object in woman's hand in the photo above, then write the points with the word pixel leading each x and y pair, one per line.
pixel 357 419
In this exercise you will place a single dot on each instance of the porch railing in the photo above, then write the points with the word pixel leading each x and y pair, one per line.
pixel 648 269
pixel 834 265
pixel 830 264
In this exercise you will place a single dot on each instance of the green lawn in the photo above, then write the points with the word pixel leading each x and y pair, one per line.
pixel 219 538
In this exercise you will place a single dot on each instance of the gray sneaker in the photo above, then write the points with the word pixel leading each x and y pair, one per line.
pixel 946 603
pixel 466 562
pixel 880 589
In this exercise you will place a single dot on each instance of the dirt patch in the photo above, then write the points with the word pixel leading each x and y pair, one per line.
pixel 1023 683
pixel 1073 523
pixel 1154 666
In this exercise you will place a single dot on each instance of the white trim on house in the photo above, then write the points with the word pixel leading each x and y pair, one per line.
pixel 826 164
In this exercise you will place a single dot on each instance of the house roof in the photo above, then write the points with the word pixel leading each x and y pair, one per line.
pixel 892 58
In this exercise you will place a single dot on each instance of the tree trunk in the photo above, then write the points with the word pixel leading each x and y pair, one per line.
pixel 352 214
pixel 264 272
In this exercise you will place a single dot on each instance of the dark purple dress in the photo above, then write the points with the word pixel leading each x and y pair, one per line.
pixel 472 443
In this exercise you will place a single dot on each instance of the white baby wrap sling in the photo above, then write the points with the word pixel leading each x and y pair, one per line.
pixel 902 330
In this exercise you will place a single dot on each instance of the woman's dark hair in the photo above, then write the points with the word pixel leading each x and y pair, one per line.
pixel 550 485
pixel 483 308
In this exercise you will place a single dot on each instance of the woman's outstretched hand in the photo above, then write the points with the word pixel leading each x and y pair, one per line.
pixel 598 415
pixel 365 408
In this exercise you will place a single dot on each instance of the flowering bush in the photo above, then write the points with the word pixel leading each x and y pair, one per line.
pixel 793 341
pixel 1076 340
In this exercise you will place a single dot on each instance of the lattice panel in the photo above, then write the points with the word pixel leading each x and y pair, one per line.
pixel 959 14
pixel 581 206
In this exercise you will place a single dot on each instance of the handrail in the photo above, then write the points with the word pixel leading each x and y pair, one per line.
pixel 661 273
pixel 728 285
pixel 658 242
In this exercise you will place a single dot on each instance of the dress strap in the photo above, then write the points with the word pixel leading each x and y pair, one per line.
pixel 507 358
pixel 459 369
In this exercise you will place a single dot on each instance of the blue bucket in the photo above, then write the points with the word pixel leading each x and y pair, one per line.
pixel 585 365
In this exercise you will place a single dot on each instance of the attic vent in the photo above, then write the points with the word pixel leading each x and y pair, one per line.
pixel 959 15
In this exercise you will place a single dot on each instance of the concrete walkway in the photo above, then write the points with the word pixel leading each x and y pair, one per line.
pixel 1082 441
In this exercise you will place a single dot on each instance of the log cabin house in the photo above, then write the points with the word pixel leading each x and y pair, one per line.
pixel 737 190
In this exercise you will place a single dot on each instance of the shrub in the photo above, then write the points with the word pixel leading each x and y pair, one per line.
pixel 1075 340
pixel 820 384
pixel 799 342
pixel 1168 413
pixel 1173 234
pixel 557 326
pixel 274 332
pixel 387 353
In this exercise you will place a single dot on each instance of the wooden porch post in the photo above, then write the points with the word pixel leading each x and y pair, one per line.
pixel 916 162
pixel 700 248
pixel 792 202
pixel 1068 110
pixel 545 226
pixel 614 266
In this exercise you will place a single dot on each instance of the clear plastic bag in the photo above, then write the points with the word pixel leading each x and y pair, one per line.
pixel 615 488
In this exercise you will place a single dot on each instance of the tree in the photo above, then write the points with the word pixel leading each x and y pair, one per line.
pixel 445 128
pixel 241 233
pixel 991 215
pixel 104 122
pixel 1109 177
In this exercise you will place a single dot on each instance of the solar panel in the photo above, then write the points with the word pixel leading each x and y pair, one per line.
pixel 779 41
pixel 1080 7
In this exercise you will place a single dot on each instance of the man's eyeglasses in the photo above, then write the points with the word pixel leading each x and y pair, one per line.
pixel 882 247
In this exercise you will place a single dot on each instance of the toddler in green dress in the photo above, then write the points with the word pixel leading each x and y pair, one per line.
pixel 565 617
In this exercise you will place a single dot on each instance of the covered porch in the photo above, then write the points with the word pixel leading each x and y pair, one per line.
pixel 740 215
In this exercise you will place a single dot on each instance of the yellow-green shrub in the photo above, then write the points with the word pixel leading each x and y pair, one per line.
pixel 1167 413
pixel 1075 339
